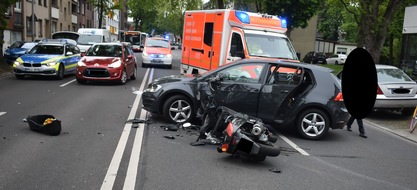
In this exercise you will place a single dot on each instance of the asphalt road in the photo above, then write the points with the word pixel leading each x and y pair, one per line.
pixel 97 149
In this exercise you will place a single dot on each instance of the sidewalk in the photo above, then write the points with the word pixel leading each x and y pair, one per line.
pixel 402 132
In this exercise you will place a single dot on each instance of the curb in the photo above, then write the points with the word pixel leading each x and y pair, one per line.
pixel 413 139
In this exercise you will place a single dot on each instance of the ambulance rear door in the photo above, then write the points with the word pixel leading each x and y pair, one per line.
pixel 213 32
pixel 192 51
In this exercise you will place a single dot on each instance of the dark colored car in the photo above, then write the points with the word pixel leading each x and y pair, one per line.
pixel 107 62
pixel 16 50
pixel 315 58
pixel 299 95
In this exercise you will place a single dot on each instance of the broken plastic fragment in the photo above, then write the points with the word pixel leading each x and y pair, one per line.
pixel 275 170
pixel 136 120
pixel 197 143
pixel 169 137
pixel 170 127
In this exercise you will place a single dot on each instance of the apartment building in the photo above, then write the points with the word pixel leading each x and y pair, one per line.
pixel 50 16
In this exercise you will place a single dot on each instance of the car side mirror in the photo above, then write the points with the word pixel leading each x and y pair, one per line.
pixel 172 48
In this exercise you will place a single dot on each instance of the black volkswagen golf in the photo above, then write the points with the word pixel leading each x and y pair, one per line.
pixel 304 96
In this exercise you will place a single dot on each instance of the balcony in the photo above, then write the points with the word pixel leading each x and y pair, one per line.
pixel 74 19
pixel 55 12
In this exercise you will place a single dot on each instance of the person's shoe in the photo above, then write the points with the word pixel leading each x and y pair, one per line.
pixel 349 129
pixel 363 135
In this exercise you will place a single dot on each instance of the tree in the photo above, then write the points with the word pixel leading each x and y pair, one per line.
pixel 373 18
pixel 330 21
pixel 297 12
pixel 4 5
pixel 105 7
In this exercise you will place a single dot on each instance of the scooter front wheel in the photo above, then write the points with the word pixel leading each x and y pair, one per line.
pixel 269 150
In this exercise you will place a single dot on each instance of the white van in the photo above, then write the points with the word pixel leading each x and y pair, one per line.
pixel 89 36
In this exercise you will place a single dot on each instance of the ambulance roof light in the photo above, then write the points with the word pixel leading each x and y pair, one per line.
pixel 243 17
pixel 283 22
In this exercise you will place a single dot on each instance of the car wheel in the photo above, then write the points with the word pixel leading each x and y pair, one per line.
pixel 336 63
pixel 169 66
pixel 123 78
pixel 312 124
pixel 144 65
pixel 61 71
pixel 20 76
pixel 135 73
pixel 178 109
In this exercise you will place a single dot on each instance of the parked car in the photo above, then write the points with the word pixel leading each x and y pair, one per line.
pixel 107 62
pixel 315 58
pixel 50 57
pixel 298 95
pixel 157 52
pixel 16 50
pixel 396 90
pixel 337 59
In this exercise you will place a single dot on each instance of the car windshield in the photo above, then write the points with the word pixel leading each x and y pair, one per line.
pixel 105 51
pixel 157 43
pixel 389 75
pixel 29 45
pixel 269 46
pixel 84 39
pixel 17 44
pixel 47 49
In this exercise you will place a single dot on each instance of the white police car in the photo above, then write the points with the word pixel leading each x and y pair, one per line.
pixel 51 57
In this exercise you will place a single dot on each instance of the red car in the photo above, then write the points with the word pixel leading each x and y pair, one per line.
pixel 107 62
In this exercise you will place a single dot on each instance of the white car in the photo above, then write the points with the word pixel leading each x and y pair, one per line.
pixel 337 59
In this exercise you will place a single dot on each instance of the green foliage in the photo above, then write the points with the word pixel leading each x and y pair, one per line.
pixel 104 8
pixel 297 12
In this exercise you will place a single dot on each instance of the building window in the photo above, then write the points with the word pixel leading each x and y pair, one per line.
pixel 55 3
pixel 40 28
pixel 69 27
pixel 60 4
pixel 40 2
pixel 28 26
pixel 65 13
pixel 53 27
pixel 18 7
pixel 82 8
pixel 45 3
pixel 60 26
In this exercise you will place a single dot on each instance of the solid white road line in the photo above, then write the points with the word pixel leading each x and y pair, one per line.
pixel 132 169
pixel 301 151
pixel 65 84
pixel 2 113
pixel 111 174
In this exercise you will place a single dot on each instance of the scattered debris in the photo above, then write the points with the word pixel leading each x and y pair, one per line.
pixel 135 125
pixel 137 120
pixel 197 143
pixel 130 106
pixel 170 127
pixel 169 136
pixel 4 137
pixel 275 170
pixel 44 123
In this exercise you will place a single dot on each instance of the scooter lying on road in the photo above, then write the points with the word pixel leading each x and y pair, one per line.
pixel 237 133
pixel 245 136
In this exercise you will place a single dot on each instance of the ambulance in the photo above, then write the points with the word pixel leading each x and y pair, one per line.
pixel 212 38
pixel 89 36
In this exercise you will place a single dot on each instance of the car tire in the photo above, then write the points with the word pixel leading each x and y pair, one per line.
pixel 336 63
pixel 144 65
pixel 312 124
pixel 20 76
pixel 134 75
pixel 61 72
pixel 178 109
pixel 123 78
pixel 169 66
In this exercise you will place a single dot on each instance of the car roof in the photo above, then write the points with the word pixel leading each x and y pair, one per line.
pixel 380 66
pixel 60 41
pixel 300 64
pixel 109 43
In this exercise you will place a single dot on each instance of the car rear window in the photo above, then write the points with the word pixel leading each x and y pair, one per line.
pixel 392 75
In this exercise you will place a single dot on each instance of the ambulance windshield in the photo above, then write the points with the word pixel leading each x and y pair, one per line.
pixel 261 45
